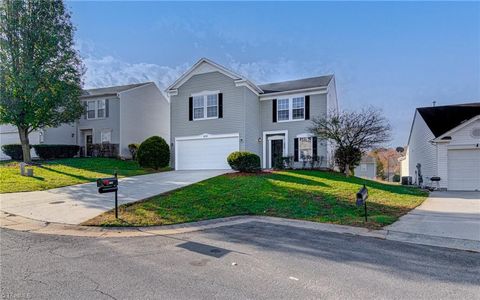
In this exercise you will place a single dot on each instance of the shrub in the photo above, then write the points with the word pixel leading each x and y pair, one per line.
pixel 133 148
pixel 14 151
pixel 153 153
pixel 396 178
pixel 45 151
pixel 244 161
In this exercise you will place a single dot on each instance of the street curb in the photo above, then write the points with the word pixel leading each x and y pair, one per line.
pixel 431 240
pixel 15 222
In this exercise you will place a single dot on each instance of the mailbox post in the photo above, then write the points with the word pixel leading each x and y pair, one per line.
pixel 362 197
pixel 109 185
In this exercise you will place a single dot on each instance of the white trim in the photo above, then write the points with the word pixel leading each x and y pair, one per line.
pixel 439 139
pixel 463 147
pixel 201 137
pixel 309 91
pixel 96 109
pixel 274 138
pixel 204 93
pixel 264 144
pixel 212 68
pixel 302 135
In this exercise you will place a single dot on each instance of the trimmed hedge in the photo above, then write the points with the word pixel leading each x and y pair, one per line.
pixel 244 161
pixel 153 153
pixel 45 151
pixel 14 151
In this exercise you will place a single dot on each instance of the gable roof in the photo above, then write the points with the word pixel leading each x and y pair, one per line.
pixel 111 90
pixel 441 119
pixel 204 65
pixel 291 85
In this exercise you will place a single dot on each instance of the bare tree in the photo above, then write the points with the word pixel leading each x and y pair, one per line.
pixel 353 132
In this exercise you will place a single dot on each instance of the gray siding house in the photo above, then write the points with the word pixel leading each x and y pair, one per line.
pixel 367 167
pixel 117 115
pixel 214 111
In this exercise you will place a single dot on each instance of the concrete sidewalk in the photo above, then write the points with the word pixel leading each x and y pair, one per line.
pixel 444 218
pixel 79 203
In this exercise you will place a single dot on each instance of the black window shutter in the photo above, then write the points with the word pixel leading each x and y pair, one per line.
pixel 274 110
pixel 315 147
pixel 86 109
pixel 107 109
pixel 220 105
pixel 190 109
pixel 295 149
pixel 307 107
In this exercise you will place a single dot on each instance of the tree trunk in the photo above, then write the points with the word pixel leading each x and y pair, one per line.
pixel 23 132
pixel 347 170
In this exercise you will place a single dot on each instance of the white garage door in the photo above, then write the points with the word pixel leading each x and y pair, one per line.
pixel 207 152
pixel 464 169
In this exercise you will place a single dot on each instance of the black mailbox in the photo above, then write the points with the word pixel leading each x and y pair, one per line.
pixel 362 196
pixel 107 182
pixel 109 185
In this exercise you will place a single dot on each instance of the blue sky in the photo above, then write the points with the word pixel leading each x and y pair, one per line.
pixel 396 56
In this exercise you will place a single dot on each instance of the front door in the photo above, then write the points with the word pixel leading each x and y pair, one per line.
pixel 276 148
pixel 88 143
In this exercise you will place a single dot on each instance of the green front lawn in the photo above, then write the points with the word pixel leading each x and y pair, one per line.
pixel 307 195
pixel 64 172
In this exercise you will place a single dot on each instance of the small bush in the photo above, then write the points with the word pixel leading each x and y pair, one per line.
pixel 153 153
pixel 396 178
pixel 14 151
pixel 45 151
pixel 133 148
pixel 244 161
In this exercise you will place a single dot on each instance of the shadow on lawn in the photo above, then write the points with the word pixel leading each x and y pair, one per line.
pixel 84 178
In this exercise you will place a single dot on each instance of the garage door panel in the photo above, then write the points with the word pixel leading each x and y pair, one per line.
pixel 464 169
pixel 206 153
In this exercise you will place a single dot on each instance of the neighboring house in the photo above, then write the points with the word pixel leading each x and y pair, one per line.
pixel 445 142
pixel 367 167
pixel 9 135
pixel 117 115
pixel 215 111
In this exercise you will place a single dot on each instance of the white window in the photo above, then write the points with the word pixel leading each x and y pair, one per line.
pixel 283 111
pixel 96 109
pixel 205 106
pixel 106 136
pixel 289 109
pixel 305 147
pixel 298 108
pixel 101 108
pixel 91 109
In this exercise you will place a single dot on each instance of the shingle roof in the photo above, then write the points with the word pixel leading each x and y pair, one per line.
pixel 321 81
pixel 111 90
pixel 441 119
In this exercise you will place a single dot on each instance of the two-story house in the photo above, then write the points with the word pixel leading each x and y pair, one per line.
pixel 116 115
pixel 214 111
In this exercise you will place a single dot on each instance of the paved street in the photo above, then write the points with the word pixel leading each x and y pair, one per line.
pixel 78 203
pixel 249 260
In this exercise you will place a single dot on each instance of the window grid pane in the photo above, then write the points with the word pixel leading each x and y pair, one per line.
pixel 305 147
pixel 198 102
pixel 282 104
pixel 211 112
pixel 298 113
pixel 298 102
pixel 101 113
pixel 212 100
pixel 282 115
pixel 198 113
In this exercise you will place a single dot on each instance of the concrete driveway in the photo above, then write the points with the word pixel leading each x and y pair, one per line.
pixel 79 203
pixel 448 215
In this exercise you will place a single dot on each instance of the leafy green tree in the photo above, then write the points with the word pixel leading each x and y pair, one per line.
pixel 40 71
